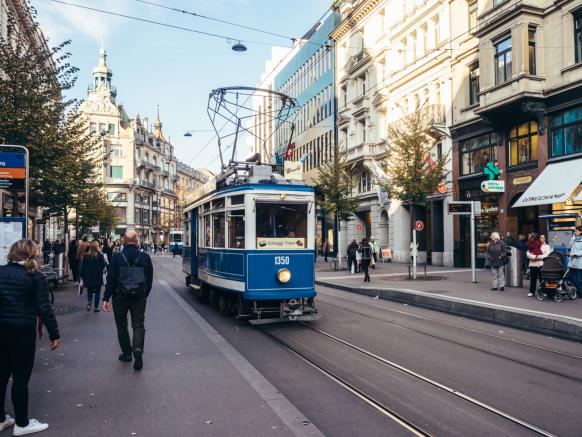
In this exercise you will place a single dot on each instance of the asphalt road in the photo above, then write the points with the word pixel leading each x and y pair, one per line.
pixel 521 378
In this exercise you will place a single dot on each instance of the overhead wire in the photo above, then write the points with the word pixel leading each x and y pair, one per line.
pixel 218 20
pixel 159 23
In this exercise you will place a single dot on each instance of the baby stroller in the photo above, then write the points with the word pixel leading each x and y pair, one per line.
pixel 554 283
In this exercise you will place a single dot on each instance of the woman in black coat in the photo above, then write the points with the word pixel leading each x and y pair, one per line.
pixel 92 268
pixel 23 297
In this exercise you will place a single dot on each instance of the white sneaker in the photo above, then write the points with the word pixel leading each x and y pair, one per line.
pixel 8 422
pixel 32 427
pixel 529 294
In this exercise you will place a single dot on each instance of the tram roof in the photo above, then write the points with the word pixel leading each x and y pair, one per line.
pixel 249 187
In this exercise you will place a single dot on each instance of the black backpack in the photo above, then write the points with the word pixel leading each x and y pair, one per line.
pixel 132 284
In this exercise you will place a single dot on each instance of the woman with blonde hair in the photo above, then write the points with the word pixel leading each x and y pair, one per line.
pixel 23 297
pixel 92 268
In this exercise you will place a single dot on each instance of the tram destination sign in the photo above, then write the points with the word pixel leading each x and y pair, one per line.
pixel 12 171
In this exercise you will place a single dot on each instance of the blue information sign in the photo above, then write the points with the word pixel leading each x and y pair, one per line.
pixel 12 170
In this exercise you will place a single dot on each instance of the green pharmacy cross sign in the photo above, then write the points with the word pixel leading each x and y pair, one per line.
pixel 491 171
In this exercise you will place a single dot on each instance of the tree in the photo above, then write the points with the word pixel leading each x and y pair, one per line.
pixel 65 159
pixel 335 181
pixel 412 169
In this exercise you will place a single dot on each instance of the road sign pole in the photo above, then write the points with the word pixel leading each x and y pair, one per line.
pixel 414 254
pixel 473 254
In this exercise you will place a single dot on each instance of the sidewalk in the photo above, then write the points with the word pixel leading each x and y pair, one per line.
pixel 193 382
pixel 451 290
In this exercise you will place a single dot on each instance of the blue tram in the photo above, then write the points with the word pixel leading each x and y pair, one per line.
pixel 249 246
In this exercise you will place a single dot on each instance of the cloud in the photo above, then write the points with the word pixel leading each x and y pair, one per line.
pixel 60 21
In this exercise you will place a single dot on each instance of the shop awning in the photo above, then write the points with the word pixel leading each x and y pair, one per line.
pixel 554 185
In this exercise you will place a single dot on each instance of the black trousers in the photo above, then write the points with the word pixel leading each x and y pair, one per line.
pixel 366 268
pixel 534 277
pixel 17 346
pixel 137 310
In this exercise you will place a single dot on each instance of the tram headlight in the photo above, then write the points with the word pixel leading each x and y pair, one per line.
pixel 284 276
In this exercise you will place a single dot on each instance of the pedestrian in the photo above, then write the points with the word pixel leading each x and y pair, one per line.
pixel 107 250
pixel 92 268
pixel 325 250
pixel 46 251
pixel 374 248
pixel 129 282
pixel 351 252
pixel 73 262
pixel 575 262
pixel 176 249
pixel 537 251
pixel 497 253
pixel 366 252
pixel 509 240
pixel 521 245
pixel 23 297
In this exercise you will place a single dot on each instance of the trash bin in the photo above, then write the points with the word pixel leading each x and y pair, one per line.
pixel 513 274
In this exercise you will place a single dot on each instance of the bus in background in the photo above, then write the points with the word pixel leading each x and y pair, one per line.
pixel 176 243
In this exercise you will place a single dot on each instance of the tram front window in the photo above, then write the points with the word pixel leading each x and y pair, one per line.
pixel 276 221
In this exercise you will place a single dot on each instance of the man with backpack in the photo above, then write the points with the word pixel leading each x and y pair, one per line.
pixel 129 281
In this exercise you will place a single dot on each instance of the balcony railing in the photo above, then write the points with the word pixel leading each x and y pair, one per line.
pixel 168 191
pixel 435 114
pixel 147 184
pixel 92 87
pixel 365 150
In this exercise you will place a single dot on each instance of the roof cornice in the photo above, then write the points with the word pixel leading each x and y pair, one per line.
pixel 353 18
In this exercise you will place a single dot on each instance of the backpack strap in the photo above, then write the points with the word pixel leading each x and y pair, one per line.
pixel 127 261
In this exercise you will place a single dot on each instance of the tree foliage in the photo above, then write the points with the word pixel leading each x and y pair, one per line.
pixel 335 181
pixel 65 159
pixel 412 169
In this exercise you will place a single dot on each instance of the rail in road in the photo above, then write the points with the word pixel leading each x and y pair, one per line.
pixel 429 373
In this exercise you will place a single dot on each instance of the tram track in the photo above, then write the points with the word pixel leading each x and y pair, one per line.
pixel 470 347
pixel 385 409
pixel 442 323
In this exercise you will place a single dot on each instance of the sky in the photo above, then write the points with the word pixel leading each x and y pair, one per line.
pixel 175 69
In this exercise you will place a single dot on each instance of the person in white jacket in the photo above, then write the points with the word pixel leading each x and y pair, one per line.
pixel 535 265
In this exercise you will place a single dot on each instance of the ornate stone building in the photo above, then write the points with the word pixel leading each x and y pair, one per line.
pixel 140 173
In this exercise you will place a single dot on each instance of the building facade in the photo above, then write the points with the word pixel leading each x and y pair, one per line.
pixel 517 75
pixel 140 170
pixel 189 180
pixel 390 60
pixel 261 125
pixel 308 76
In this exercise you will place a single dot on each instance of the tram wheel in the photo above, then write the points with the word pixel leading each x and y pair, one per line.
pixel 223 304
pixel 213 298
pixel 202 293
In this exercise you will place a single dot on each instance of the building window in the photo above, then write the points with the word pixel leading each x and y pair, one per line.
pixel 477 152
pixel 121 213
pixel 116 150
pixel 578 35
pixel 472 15
pixel 503 61
pixel 365 184
pixel 117 197
pixel 111 129
pixel 93 128
pixel 102 127
pixel 532 50
pixel 116 172
pixel 474 86
pixel 437 30
pixel 362 80
pixel 523 143
pixel 566 132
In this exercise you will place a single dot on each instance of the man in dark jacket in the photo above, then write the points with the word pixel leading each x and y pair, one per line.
pixel 351 252
pixel 131 255
pixel 73 262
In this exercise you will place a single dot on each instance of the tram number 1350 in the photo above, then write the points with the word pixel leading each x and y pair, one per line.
pixel 281 260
